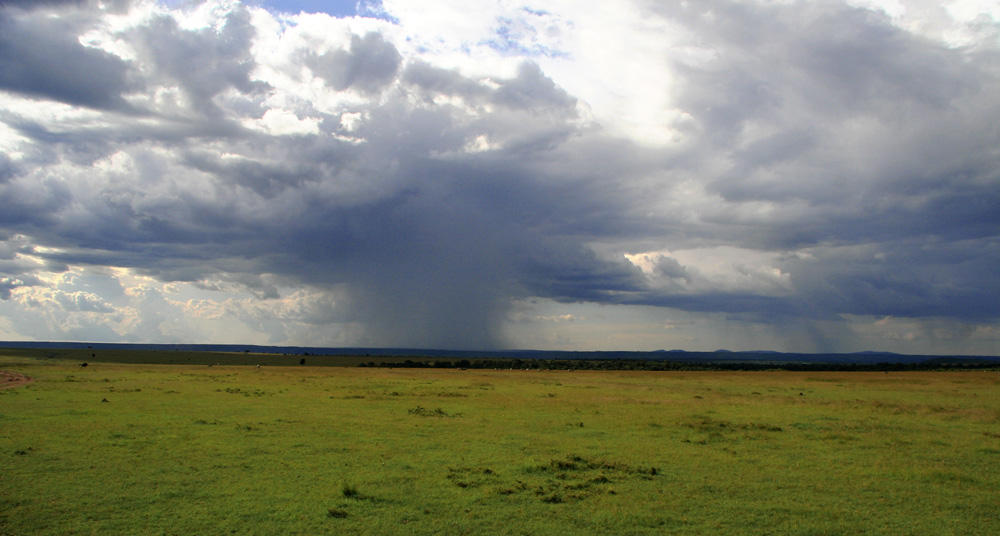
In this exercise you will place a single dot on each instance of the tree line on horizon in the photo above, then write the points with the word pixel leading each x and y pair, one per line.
pixel 664 365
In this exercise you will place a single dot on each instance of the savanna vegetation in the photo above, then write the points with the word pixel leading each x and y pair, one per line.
pixel 186 448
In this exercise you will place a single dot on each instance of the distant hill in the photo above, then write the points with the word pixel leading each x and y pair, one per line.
pixel 719 356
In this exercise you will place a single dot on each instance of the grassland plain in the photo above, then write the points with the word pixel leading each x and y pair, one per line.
pixel 118 448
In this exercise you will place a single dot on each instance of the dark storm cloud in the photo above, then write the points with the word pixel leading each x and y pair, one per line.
pixel 265 179
pixel 15 271
pixel 435 258
pixel 860 158
pixel 32 4
pixel 203 62
pixel 925 278
pixel 369 65
pixel 861 136
pixel 530 89
pixel 670 268
pixel 7 284
pixel 40 56
pixel 436 80
pixel 8 169
pixel 857 108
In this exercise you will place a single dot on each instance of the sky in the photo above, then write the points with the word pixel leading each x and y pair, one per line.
pixel 637 175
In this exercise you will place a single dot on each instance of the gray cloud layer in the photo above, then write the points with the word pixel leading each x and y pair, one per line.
pixel 40 56
pixel 863 159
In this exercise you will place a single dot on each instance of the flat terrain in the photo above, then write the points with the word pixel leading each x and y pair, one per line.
pixel 125 448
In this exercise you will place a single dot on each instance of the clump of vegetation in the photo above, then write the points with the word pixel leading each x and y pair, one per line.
pixel 561 480
pixel 112 389
pixel 707 424
pixel 472 477
pixel 246 392
pixel 350 491
pixel 437 412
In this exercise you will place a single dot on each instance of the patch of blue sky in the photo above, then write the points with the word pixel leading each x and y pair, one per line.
pixel 336 8
pixel 539 12
pixel 513 39
pixel 375 10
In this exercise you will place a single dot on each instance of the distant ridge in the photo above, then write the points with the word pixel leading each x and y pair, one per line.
pixel 719 356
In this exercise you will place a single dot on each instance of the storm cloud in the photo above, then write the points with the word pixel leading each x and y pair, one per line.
pixel 814 177
pixel 41 57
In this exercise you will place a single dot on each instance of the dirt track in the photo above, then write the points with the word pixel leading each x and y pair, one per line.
pixel 13 379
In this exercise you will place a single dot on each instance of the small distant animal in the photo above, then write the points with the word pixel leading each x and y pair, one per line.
pixel 84 364
pixel 258 366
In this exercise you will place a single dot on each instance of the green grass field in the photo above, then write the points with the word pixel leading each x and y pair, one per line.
pixel 125 448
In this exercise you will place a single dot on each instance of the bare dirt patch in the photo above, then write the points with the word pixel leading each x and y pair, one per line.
pixel 13 379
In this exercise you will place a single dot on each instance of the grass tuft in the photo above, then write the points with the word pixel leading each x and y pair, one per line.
pixel 424 412
pixel 350 491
